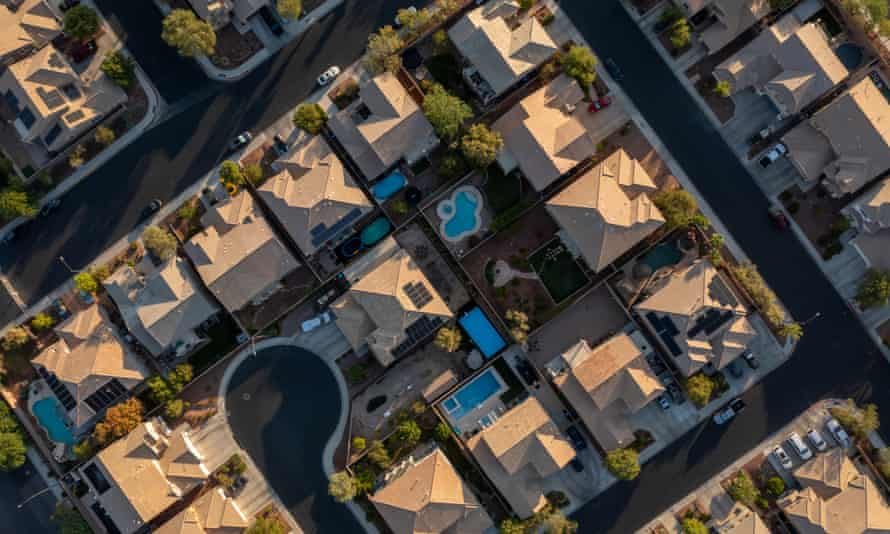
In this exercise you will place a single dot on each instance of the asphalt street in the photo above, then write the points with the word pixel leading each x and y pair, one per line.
pixel 283 406
pixel 204 116
pixel 32 517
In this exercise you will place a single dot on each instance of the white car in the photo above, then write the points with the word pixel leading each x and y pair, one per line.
pixel 838 432
pixel 328 75
pixel 783 457
pixel 816 439
pixel 311 324
pixel 799 446
pixel 775 153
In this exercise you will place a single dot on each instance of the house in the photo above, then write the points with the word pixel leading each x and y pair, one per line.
pixel 142 474
pixel 314 196
pixel 789 62
pixel 390 307
pixel 607 384
pixel 51 104
pixel 238 255
pixel 519 452
pixel 542 135
pixel 837 498
pixel 381 127
pixel 739 520
pixel 723 20
pixel 212 513
pixel 607 210
pixel 847 141
pixel 217 13
pixel 698 320
pixel 426 496
pixel 27 25
pixel 501 46
pixel 161 305
pixel 870 215
pixel 90 367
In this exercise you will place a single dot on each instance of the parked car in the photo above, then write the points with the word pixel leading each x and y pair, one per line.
pixel 85 297
pixel 750 359
pixel 799 446
pixel 778 217
pixel 575 437
pixel 759 136
pixel 279 145
pixel 773 154
pixel 735 407
pixel 577 465
pixel 272 20
pixel 838 433
pixel 328 76
pixel 526 371
pixel 600 103
pixel 153 207
pixel 311 324
pixel 60 309
pixel 783 457
pixel 816 439
pixel 240 141
pixel 50 206
pixel 664 402
pixel 735 369
pixel 614 70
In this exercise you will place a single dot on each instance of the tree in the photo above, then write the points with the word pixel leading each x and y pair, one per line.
pixel 179 377
pixel 679 34
pixel 290 9
pixel 414 21
pixel 378 455
pixel 444 8
pixel 742 489
pixel 442 432
pixel 452 166
pixel 623 463
pixel 580 63
pixel 12 451
pixel 84 449
pixel 699 388
pixel 69 521
pixel 120 68
pixel 266 525
pixel 15 203
pixel 80 22
pixel 722 88
pixel 792 330
pixel 174 409
pixel 446 112
pixel 159 242
pixel 511 526
pixel 874 290
pixel 85 282
pixel 775 486
pixel 119 421
pixel 763 296
pixel 692 525
pixel 230 173
pixel 677 206
pixel 104 135
pixel 480 145
pixel 310 117
pixel 159 390
pixel 77 157
pixel 253 173
pixel 341 487
pixel 358 443
pixel 408 432
pixel 42 321
pixel 440 42
pixel 557 523
pixel 382 51
pixel 15 338
pixel 519 327
pixel 448 338
pixel 877 10
pixel 861 421
pixel 191 36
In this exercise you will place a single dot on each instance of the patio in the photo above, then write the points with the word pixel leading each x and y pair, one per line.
pixel 461 245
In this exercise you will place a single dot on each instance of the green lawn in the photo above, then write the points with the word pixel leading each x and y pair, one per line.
pixel 558 270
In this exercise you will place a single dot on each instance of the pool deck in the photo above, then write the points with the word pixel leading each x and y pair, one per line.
pixel 470 421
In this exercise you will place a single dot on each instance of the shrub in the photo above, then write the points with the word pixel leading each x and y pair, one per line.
pixel 310 117
pixel 874 290
pixel 677 206
pixel 699 388
pixel 722 88
pixel 480 145
pixel 160 242
pixel 290 9
pixel 104 135
pixel 15 203
pixel 15 338
pixel 742 489
pixel 452 167
pixel 449 338
pixel 580 63
pixel 253 173
pixel 80 22
pixel 440 42
pixel 84 449
pixel 191 36
pixel 267 524
pixel 442 432
pixel 378 455
pixel 174 409
pixel 341 487
pixel 679 34
pixel 119 421
pixel 860 421
pixel 760 293
pixel 120 69
pixel 519 326
pixel 692 525
pixel 76 158
pixel 623 463
pixel 358 443
pixel 85 282
pixel 69 521
pixel 775 486
pixel 557 499
pixel 187 211
pixel 408 433
pixel 42 321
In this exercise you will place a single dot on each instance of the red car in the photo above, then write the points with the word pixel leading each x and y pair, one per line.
pixel 778 217
pixel 597 105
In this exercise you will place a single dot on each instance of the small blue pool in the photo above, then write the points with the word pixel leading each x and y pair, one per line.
pixel 49 413
pixel 460 213
pixel 483 334
pixel 663 255
pixel 850 55
pixel 375 231
pixel 474 394
pixel 389 186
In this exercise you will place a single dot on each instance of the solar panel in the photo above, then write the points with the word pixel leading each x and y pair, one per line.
pixel 418 293
pixel 416 332
pixel 719 321
pixel 52 98
pixel 74 116
pixel 671 344
pixel 106 395
pixel 320 233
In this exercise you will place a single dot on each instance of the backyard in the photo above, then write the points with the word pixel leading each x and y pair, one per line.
pixel 292 289
pixel 558 270
pixel 222 338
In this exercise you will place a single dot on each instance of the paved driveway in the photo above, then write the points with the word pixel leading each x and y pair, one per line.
pixel 283 405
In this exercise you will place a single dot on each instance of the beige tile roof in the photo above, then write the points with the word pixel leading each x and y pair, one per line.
pixel 837 499
pixel 543 136
pixel 162 305
pixel 521 449
pixel 212 513
pixel 596 212
pixel 149 470
pixel 685 297
pixel 733 18
pixel 501 54
pixel 377 309
pixel 740 520
pixel 88 355
pixel 851 136
pixel 430 497
pixel 313 190
pixel 873 208
pixel 792 63
pixel 237 254
pixel 393 126
pixel 32 24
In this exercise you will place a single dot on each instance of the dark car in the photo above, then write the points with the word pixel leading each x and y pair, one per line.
pixel 613 69
pixel 50 206
pixel 577 466
pixel 526 371
pixel 279 145
pixel 240 141
pixel 272 20
pixel 735 369
pixel 778 217
pixel 599 104
pixel 153 207
pixel 82 51
pixel 578 441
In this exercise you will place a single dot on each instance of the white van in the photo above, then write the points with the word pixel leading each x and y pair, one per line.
pixel 799 446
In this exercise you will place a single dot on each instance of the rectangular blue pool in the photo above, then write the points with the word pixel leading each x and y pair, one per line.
pixel 482 332
pixel 474 394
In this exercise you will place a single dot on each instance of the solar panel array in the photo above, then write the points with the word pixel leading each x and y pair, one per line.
pixel 58 389
pixel 710 322
pixel 418 293
pixel 75 116
pixel 52 98
pixel 419 330
pixel 106 395
pixel 666 330
pixel 321 233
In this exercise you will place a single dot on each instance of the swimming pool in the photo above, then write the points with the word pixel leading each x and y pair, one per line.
pixel 375 231
pixel 483 334
pixel 663 255
pixel 389 186
pixel 474 394
pixel 460 213
pixel 48 412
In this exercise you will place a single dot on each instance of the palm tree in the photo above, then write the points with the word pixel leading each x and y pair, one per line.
pixel 792 330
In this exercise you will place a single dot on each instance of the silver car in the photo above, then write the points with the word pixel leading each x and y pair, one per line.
pixel 783 457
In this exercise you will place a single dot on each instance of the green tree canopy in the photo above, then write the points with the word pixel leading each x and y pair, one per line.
pixel 15 338
pixel 679 33
pixel 80 22
pixel 861 421
pixel 442 431
pixel 120 68
pixel 699 388
pixel 446 112
pixel 580 63
pixel 775 486
pixel 382 52
pixel 791 330
pixel 310 117
pixel 188 34
pixel 159 242
pixel 230 173
pixel 448 338
pixel 69 521
pixel 104 135
pixel 623 463
pixel 692 525
pixel 409 433
pixel 678 207
pixel 85 282
pixel 119 421
pixel 266 525
pixel 12 451
pixel 557 523
pixel 159 389
pixel 480 145
pixel 290 9
pixel 722 88
pixel 414 21
pixel 180 376
pixel 341 487
pixel 743 490
pixel 15 203
pixel 42 321
pixel 378 455
pixel 174 409
pixel 874 290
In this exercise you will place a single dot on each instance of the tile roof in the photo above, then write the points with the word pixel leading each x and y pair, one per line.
pixel 740 520
pixel 599 216
pixel 733 18
pixel 212 513
pixel 30 24
pixel 874 207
